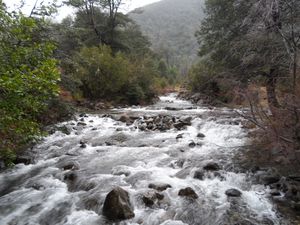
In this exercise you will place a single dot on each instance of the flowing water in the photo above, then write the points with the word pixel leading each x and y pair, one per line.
pixel 48 192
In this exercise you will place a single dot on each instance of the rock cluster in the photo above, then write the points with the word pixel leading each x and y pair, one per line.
pixel 163 123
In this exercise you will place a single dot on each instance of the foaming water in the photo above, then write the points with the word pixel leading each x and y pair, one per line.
pixel 116 154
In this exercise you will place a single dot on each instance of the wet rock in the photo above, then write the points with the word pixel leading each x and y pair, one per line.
pixel 178 164
pixel 23 159
pixel 117 205
pixel 151 198
pixel 179 136
pixel 200 135
pixel 124 118
pixel 275 193
pixel 182 174
pixel 92 203
pixel 186 120
pixel 121 170
pixel 81 124
pixel 172 109
pixel 199 174
pixel 83 115
pixel 83 144
pixel 233 193
pixel 70 176
pixel 192 144
pixel 159 187
pixel 188 192
pixel 64 129
pixel 179 126
pixel 269 179
pixel 211 166
pixel 70 166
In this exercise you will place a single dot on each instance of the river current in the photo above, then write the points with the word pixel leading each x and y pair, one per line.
pixel 72 173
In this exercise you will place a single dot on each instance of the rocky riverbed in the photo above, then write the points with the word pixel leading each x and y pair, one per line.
pixel 166 164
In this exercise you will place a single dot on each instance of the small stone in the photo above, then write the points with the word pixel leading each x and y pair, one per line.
pixel 192 144
pixel 200 135
pixel 82 124
pixel 179 136
pixel 188 192
pixel 233 193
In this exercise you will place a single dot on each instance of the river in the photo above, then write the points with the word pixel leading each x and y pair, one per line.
pixel 73 173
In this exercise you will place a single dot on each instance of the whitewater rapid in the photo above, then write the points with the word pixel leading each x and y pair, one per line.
pixel 119 154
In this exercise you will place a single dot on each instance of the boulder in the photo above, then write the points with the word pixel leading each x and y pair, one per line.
pixel 233 193
pixel 188 192
pixel 117 205
pixel 211 166
pixel 159 187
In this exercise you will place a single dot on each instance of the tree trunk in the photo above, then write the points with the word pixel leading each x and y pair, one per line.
pixel 271 89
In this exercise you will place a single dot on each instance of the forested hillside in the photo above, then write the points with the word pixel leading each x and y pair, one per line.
pixel 171 27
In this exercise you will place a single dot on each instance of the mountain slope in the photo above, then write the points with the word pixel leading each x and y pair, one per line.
pixel 170 26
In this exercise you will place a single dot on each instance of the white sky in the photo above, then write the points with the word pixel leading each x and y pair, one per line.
pixel 64 11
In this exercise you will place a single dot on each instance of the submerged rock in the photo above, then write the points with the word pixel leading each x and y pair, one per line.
pixel 188 192
pixel 117 205
pixel 233 193
pixel 159 187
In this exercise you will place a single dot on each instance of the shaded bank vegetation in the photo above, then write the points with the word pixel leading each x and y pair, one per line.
pixel 99 55
pixel 249 53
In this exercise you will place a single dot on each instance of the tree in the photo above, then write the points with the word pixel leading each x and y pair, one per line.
pixel 28 80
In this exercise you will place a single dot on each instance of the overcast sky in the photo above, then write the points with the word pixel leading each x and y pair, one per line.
pixel 64 11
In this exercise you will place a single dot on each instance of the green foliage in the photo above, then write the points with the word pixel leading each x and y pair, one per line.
pixel 28 80
pixel 107 76
pixel 204 78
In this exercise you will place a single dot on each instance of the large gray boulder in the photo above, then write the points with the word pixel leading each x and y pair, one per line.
pixel 117 205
